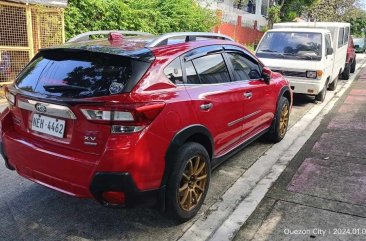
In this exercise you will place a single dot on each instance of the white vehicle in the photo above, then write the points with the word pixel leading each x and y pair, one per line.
pixel 311 55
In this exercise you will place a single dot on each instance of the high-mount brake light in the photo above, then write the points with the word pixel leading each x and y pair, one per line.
pixel 115 36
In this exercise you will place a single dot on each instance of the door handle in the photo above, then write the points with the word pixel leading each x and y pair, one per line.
pixel 248 95
pixel 206 106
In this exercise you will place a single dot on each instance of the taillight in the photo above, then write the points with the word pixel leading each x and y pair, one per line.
pixel 10 97
pixel 128 118
pixel 106 115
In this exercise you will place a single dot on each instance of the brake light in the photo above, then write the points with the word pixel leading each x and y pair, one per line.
pixel 127 118
pixel 10 97
pixel 107 115
pixel 115 36
pixel 115 198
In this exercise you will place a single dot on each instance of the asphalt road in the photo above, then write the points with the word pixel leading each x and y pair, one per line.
pixel 33 212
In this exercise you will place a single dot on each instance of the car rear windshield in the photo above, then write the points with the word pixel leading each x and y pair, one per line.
pixel 80 74
pixel 359 41
pixel 291 45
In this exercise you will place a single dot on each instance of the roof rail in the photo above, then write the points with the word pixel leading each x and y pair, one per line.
pixel 85 36
pixel 189 36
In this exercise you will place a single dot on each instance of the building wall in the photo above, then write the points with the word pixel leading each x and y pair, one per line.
pixel 247 35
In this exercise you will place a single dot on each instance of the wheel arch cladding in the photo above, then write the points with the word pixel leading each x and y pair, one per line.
pixel 193 133
pixel 285 92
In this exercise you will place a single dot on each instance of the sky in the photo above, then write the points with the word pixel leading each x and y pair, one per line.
pixel 363 4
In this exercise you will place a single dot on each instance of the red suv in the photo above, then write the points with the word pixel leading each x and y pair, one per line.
pixel 139 120
pixel 350 66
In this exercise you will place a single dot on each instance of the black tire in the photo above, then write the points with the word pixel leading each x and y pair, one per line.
pixel 186 154
pixel 334 84
pixel 277 133
pixel 321 95
pixel 353 66
pixel 346 72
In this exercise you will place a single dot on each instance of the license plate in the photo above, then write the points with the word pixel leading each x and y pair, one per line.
pixel 48 125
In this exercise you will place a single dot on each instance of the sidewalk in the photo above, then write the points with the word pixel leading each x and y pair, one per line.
pixel 322 193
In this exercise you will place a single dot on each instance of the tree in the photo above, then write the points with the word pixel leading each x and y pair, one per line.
pixel 329 10
pixel 287 10
pixel 290 9
pixel 154 16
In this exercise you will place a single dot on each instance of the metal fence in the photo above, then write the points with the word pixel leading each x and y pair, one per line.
pixel 24 29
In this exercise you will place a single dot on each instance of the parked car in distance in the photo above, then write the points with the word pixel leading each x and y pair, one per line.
pixel 312 55
pixel 350 65
pixel 360 45
pixel 139 120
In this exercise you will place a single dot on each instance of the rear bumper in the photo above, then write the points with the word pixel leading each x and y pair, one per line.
pixel 101 182
pixel 123 182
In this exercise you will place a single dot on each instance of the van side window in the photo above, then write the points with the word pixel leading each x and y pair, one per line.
pixel 346 35
pixel 211 69
pixel 174 72
pixel 244 68
pixel 340 37
pixel 327 41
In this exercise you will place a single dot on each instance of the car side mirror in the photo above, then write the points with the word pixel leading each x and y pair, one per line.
pixel 329 51
pixel 266 75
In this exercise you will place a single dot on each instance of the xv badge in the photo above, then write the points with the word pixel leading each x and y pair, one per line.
pixel 90 140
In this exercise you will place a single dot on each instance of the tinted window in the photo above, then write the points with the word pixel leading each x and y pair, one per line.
pixel 244 67
pixel 340 37
pixel 211 69
pixel 174 72
pixel 191 73
pixel 291 45
pixel 79 74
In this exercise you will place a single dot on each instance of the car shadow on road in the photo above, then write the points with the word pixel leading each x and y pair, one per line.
pixel 302 100
pixel 41 213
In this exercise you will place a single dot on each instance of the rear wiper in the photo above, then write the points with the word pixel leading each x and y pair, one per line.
pixel 60 88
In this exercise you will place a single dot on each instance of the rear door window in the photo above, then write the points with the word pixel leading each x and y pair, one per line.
pixel 79 74
pixel 211 69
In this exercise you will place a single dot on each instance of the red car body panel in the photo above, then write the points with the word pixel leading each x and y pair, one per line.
pixel 351 51
pixel 68 165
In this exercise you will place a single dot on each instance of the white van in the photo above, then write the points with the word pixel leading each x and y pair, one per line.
pixel 311 55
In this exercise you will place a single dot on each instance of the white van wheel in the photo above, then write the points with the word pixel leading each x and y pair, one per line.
pixel 321 96
pixel 334 84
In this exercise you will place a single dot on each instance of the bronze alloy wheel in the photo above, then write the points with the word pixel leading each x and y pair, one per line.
pixel 193 183
pixel 284 119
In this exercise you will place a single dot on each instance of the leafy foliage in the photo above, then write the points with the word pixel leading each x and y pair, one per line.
pixel 294 8
pixel 329 10
pixel 274 15
pixel 154 16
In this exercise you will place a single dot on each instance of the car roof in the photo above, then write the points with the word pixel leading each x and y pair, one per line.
pixel 138 46
pixel 310 24
pixel 300 30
